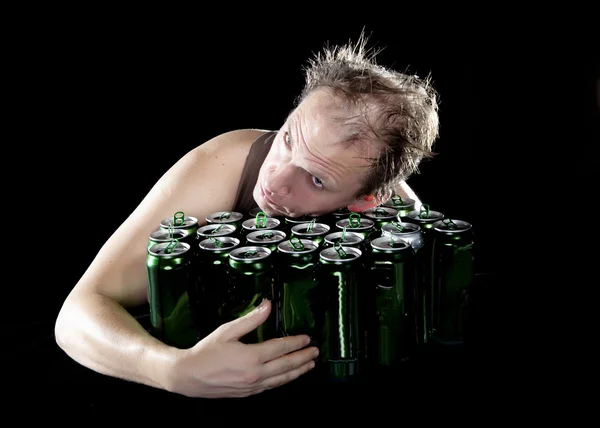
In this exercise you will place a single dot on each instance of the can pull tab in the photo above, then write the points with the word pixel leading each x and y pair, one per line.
pixel 265 235
pixel 250 253
pixel 216 241
pixel 171 246
pixel 354 220
pixel 310 226
pixel 344 234
pixel 339 249
pixel 216 229
pixel 296 243
pixel 397 200
pixel 399 226
pixel 449 223
pixel 225 215
pixel 424 209
pixel 178 218
pixel 261 219
pixel 379 212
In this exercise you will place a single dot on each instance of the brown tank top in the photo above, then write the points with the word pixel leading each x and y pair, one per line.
pixel 244 201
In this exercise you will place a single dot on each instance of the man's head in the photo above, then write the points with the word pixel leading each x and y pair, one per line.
pixel 357 130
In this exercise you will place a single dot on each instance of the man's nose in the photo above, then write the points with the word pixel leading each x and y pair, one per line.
pixel 280 180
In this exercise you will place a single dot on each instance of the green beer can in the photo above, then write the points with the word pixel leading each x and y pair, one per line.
pixel 425 218
pixel 211 283
pixel 381 216
pixel 296 289
pixel 392 331
pixel 267 238
pixel 180 221
pixel 162 235
pixel 314 231
pixel 454 274
pixel 251 279
pixel 170 278
pixel 400 204
pixel 342 332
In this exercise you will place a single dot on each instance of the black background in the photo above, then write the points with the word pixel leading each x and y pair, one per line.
pixel 104 106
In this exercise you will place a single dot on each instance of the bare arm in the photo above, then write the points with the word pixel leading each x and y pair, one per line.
pixel 95 330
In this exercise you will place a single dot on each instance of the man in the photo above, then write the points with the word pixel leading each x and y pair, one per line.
pixel 357 134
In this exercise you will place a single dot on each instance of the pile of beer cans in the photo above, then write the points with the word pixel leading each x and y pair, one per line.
pixel 371 289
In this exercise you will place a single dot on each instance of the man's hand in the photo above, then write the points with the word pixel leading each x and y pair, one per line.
pixel 221 366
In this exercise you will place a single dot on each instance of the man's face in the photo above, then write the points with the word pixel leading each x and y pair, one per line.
pixel 311 169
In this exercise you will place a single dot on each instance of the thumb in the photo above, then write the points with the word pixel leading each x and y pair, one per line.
pixel 239 327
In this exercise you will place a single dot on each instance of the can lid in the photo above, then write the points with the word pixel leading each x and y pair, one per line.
pixel 215 229
pixel 425 216
pixel 250 254
pixel 390 244
pixel 179 221
pixel 169 249
pixel 219 243
pixel 297 246
pixel 448 225
pixel 383 213
pixel 350 238
pixel 401 228
pixel 355 224
pixel 269 236
pixel 302 219
pixel 310 229
pixel 224 217
pixel 340 253
pixel 261 223
pixel 162 235
pixel 399 203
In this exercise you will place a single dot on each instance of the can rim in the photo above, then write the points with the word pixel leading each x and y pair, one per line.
pixel 440 226
pixel 230 228
pixel 263 253
pixel 252 236
pixel 402 245
pixel 296 228
pixel 286 247
pixel 325 254
pixel 368 224
pixel 188 221
pixel 359 238
pixel 234 216
pixel 180 248
pixel 204 244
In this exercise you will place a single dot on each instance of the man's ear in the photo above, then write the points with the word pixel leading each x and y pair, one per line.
pixel 364 203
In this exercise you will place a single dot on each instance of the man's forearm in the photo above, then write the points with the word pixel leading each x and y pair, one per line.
pixel 101 335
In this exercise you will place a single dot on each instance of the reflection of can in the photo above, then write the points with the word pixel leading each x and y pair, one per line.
pixel 166 235
pixel 226 217
pixel 341 340
pixel 425 218
pixel 211 282
pixel 454 273
pixel 381 216
pixel 251 277
pixel 180 221
pixel 267 238
pixel 314 231
pixel 393 330
pixel 170 277
pixel 400 204
pixel 355 223
pixel 295 287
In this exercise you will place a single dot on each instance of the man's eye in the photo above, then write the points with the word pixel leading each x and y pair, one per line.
pixel 286 138
pixel 317 182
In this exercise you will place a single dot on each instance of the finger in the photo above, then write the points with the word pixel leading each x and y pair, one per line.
pixel 275 348
pixel 282 379
pixel 289 362
pixel 239 327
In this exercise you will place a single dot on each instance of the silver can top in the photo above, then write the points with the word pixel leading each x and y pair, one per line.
pixel 381 213
pixel 250 254
pixel 272 236
pixel 297 246
pixel 169 249
pixel 399 203
pixel 224 217
pixel 340 253
pixel 426 216
pixel 302 219
pixel 310 229
pixel 162 235
pixel 401 228
pixel 390 244
pixel 448 225
pixel 219 243
pixel 351 238
pixel 179 221
pixel 255 224
pixel 215 229
pixel 355 224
